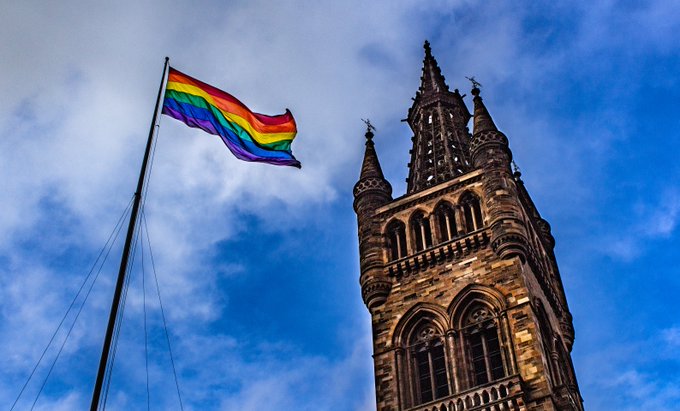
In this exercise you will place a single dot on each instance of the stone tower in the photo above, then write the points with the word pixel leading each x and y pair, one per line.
pixel 459 275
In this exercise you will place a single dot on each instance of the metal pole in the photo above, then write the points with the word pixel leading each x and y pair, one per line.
pixel 96 393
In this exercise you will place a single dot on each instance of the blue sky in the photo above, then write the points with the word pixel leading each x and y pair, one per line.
pixel 257 264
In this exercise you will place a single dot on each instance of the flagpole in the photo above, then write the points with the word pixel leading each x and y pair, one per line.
pixel 96 393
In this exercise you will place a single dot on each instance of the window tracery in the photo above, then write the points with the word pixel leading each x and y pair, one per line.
pixel 483 346
pixel 428 365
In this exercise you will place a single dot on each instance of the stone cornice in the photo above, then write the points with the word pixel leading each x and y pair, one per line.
pixel 409 200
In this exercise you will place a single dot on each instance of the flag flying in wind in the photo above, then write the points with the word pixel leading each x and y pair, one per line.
pixel 250 136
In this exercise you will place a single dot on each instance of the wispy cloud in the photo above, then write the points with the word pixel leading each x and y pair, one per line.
pixel 80 81
pixel 650 219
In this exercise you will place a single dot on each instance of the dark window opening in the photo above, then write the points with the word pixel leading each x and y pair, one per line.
pixel 472 211
pixel 429 367
pixel 422 233
pixel 484 350
pixel 396 239
pixel 446 222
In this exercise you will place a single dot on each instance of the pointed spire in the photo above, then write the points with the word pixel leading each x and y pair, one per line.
pixel 482 118
pixel 489 146
pixel 371 181
pixel 371 166
pixel 432 80
pixel 438 119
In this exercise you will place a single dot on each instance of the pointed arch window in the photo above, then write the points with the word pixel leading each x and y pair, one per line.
pixel 422 233
pixel 396 240
pixel 446 222
pixel 428 365
pixel 472 211
pixel 483 346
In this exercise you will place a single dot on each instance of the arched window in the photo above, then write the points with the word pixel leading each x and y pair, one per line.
pixel 446 222
pixel 396 240
pixel 428 365
pixel 483 346
pixel 422 233
pixel 472 211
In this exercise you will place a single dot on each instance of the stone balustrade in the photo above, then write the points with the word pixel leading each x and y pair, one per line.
pixel 502 395
pixel 439 254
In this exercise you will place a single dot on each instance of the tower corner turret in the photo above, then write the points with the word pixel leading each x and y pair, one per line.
pixel 370 192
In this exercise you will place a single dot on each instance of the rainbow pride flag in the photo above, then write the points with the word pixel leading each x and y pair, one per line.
pixel 250 136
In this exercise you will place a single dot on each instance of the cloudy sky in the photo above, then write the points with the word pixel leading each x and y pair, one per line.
pixel 257 264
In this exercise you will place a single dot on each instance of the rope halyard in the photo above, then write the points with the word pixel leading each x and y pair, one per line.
pixel 99 261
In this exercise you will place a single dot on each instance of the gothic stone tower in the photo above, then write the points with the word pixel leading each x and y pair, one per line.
pixel 459 275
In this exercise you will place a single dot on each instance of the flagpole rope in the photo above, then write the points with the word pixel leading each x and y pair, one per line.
pixel 151 162
pixel 61 348
pixel 120 318
pixel 153 265
pixel 119 322
pixel 160 303
pixel 142 209
pixel 105 251
pixel 146 339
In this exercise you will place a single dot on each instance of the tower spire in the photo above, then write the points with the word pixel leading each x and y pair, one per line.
pixel 372 188
pixel 482 118
pixel 432 80
pixel 438 119
pixel 370 168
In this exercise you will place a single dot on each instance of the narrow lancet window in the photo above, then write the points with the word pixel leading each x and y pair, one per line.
pixel 396 239
pixel 422 233
pixel 483 346
pixel 428 366
pixel 446 222
pixel 472 211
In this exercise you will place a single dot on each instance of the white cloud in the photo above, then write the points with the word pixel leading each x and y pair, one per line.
pixel 83 85
pixel 645 391
pixel 626 379
pixel 671 336
pixel 653 218
pixel 661 220
pixel 82 79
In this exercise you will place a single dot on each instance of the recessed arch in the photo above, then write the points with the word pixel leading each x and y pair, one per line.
pixel 476 315
pixel 395 235
pixel 421 231
pixel 421 335
pixel 472 211
pixel 414 317
pixel 445 221
pixel 468 296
